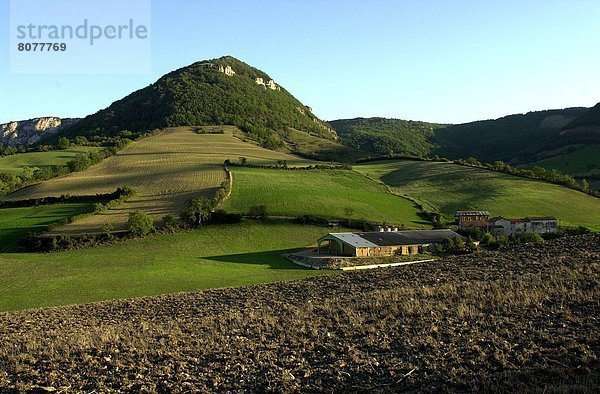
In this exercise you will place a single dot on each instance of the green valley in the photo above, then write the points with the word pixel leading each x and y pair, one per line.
pixel 447 187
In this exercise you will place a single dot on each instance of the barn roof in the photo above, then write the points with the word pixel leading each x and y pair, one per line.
pixel 352 239
pixel 391 238
pixel 408 237
pixel 472 213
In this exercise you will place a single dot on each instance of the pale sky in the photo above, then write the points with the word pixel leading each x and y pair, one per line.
pixel 439 61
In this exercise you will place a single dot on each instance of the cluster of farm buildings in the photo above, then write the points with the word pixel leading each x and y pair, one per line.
pixel 472 220
pixel 387 241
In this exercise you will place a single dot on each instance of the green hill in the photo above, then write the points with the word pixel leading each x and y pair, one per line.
pixel 516 139
pixel 204 94
pixel 383 136
pixel 19 163
pixel 447 187
pixel 165 169
pixel 334 194
pixel 591 117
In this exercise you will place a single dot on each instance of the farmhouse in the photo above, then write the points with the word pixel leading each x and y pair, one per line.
pixel 510 227
pixel 381 243
pixel 468 220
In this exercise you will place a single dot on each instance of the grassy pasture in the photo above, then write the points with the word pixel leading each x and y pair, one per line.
pixel 447 187
pixel 211 257
pixel 329 193
pixel 580 161
pixel 15 164
pixel 15 223
pixel 166 170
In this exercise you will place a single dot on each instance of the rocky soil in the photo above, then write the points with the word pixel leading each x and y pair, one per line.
pixel 526 319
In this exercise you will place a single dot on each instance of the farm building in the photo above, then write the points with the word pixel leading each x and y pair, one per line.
pixel 510 227
pixel 381 243
pixel 467 220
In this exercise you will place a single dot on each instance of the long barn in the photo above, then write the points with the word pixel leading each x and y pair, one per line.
pixel 381 243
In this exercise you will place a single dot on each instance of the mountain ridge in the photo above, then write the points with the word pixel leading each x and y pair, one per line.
pixel 516 138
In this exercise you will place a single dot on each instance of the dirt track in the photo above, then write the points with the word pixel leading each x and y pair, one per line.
pixel 523 320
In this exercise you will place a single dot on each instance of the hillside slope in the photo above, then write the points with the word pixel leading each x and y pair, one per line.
pixel 516 139
pixel 381 136
pixel 223 91
pixel 166 170
pixel 590 118
pixel 446 188
pixel 334 194
pixel 22 162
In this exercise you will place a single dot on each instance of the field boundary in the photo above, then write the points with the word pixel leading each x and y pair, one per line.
pixel 327 262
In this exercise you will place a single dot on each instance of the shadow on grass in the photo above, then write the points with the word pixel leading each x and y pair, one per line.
pixel 273 258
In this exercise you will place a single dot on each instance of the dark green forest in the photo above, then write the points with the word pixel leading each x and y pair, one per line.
pixel 383 136
pixel 515 139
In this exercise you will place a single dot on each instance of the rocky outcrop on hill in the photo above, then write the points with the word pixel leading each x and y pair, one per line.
pixel 28 132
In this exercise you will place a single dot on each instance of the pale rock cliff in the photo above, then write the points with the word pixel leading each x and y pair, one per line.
pixel 31 131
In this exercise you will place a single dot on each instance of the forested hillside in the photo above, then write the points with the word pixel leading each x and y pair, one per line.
pixel 202 94
pixel 387 136
pixel 516 139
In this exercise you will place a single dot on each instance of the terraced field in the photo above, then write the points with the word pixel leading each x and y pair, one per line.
pixel 16 164
pixel 166 170
pixel 447 187
pixel 328 193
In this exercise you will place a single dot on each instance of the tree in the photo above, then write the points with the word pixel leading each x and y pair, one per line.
pixel 200 209
pixel 585 186
pixel 63 143
pixel 140 223
pixel 243 160
pixel 81 140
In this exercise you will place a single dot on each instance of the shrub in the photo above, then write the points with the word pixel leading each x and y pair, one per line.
pixel 528 238
pixel 312 219
pixel 169 222
pixel 140 223
pixel 220 216
pixel 487 239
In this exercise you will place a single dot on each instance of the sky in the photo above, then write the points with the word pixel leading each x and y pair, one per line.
pixel 441 61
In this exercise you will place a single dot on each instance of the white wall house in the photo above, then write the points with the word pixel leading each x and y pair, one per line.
pixel 510 227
